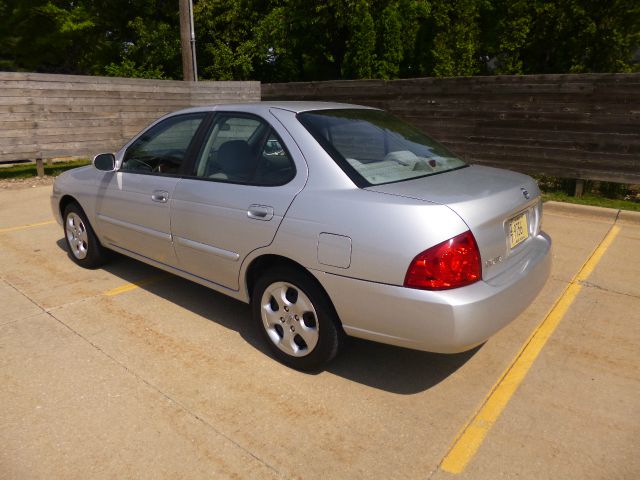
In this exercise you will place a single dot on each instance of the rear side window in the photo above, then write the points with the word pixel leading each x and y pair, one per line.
pixel 242 148
pixel 374 147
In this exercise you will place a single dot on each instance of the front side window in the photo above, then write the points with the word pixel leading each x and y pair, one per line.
pixel 374 147
pixel 244 149
pixel 162 148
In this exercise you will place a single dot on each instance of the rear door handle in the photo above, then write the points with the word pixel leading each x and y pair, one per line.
pixel 160 196
pixel 260 212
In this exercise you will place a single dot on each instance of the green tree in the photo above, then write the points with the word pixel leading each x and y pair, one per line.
pixel 291 40
pixel 448 41
pixel 361 43
pixel 225 38
pixel 390 45
pixel 121 37
pixel 582 36
pixel 44 36
pixel 505 30
pixel 148 44
pixel 560 36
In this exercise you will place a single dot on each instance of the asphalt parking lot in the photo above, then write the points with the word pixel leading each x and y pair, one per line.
pixel 127 372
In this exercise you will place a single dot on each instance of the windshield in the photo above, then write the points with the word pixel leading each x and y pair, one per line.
pixel 374 147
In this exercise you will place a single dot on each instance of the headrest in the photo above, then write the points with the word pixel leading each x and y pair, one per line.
pixel 234 157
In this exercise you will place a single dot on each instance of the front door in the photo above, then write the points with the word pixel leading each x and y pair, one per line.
pixel 134 202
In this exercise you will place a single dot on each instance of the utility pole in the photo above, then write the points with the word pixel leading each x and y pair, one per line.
pixel 188 42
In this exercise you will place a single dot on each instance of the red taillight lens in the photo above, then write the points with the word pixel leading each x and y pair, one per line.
pixel 450 264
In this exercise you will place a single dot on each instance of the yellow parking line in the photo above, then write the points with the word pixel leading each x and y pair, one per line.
pixel 473 433
pixel 22 227
pixel 127 287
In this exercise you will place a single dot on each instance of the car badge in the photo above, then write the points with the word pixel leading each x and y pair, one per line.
pixel 525 193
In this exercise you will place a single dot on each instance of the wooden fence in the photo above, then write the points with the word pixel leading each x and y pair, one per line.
pixel 44 116
pixel 583 126
pixel 575 126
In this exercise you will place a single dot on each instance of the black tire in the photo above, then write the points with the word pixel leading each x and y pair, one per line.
pixel 319 323
pixel 82 244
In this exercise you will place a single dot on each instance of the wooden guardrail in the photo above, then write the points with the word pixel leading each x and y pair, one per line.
pixel 45 116
pixel 584 126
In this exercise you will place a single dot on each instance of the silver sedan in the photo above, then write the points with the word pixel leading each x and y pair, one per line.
pixel 329 219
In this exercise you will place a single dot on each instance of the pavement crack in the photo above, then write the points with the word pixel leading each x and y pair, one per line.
pixel 587 284
pixel 74 302
pixel 150 385
pixel 10 322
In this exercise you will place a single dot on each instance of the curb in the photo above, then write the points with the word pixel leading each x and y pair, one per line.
pixel 626 216
pixel 573 209
pixel 602 213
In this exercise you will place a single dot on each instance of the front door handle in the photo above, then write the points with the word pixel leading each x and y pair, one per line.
pixel 260 212
pixel 160 196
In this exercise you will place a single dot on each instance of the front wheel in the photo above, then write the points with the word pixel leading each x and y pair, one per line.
pixel 84 247
pixel 296 319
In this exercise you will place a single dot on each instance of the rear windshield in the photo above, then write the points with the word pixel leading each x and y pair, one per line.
pixel 374 147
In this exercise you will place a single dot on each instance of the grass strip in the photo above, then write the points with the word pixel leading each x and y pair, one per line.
pixel 28 170
pixel 589 199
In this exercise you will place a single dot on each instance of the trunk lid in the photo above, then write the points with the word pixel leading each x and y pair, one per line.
pixel 490 201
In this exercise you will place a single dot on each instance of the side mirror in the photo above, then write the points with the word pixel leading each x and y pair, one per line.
pixel 105 162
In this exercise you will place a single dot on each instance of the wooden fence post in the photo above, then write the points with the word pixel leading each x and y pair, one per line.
pixel 40 167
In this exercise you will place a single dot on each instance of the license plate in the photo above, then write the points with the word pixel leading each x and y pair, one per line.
pixel 518 230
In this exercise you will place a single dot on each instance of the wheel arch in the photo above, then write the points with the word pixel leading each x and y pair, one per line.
pixel 65 201
pixel 267 262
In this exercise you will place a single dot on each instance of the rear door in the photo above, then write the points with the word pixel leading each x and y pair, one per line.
pixel 242 182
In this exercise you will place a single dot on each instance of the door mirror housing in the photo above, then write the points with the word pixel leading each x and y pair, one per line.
pixel 105 162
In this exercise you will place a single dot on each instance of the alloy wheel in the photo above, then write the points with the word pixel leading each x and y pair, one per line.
pixel 289 318
pixel 77 236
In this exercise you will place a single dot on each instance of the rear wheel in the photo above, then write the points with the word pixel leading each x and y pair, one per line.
pixel 84 248
pixel 296 319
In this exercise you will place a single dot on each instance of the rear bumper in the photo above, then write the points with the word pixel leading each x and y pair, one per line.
pixel 447 321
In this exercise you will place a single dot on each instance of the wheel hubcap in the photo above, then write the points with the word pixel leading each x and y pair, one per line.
pixel 77 235
pixel 289 319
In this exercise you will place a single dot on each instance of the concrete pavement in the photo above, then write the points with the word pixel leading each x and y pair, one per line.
pixel 170 380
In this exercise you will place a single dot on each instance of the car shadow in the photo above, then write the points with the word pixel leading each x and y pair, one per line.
pixel 395 369
pixel 384 367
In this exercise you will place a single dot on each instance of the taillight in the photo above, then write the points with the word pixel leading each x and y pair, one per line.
pixel 450 264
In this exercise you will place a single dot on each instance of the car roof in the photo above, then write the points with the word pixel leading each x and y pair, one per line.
pixel 264 107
